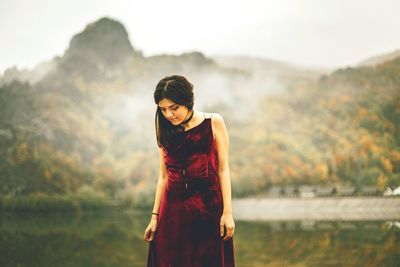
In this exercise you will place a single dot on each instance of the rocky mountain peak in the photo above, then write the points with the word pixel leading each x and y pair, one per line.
pixel 103 42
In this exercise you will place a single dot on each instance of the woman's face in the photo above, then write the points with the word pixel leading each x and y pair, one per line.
pixel 173 112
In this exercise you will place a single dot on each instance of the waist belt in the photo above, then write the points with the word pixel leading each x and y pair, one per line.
pixel 197 184
pixel 184 173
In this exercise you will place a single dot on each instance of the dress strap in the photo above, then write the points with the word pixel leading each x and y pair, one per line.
pixel 209 117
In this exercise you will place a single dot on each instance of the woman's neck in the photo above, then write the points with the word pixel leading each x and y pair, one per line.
pixel 194 121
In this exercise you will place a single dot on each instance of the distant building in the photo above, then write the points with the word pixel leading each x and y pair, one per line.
pixel 369 190
pixel 390 191
pixel 324 191
pixel 275 191
pixel 345 191
pixel 290 190
pixel 306 191
pixel 396 191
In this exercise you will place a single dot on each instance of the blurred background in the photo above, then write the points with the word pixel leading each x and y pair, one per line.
pixel 310 94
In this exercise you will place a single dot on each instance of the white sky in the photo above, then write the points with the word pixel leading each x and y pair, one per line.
pixel 325 33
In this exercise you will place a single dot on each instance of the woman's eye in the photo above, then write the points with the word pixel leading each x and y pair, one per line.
pixel 174 108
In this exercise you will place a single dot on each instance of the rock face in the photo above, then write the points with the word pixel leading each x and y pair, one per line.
pixel 102 45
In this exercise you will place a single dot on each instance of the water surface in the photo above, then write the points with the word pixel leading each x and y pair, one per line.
pixel 114 238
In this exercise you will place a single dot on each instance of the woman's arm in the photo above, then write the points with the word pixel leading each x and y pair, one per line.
pixel 162 179
pixel 222 142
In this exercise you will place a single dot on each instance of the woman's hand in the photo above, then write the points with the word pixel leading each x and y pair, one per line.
pixel 150 230
pixel 227 222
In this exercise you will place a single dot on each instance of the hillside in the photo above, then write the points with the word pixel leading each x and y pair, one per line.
pixel 376 60
pixel 83 121
pixel 342 130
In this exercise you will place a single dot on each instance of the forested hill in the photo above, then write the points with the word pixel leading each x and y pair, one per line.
pixel 83 122
pixel 341 130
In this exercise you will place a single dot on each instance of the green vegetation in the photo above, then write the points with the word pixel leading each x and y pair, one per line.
pixel 60 136
pixel 342 130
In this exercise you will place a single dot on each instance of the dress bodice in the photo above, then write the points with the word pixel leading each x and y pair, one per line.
pixel 195 156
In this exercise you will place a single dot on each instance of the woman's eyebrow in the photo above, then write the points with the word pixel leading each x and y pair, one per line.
pixel 169 106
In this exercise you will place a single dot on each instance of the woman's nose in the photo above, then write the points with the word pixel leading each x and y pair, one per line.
pixel 170 114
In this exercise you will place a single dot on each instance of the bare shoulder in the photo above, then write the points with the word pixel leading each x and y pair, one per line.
pixel 208 114
pixel 217 122
pixel 216 118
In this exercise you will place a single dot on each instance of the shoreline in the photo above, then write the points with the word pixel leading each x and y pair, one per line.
pixel 350 208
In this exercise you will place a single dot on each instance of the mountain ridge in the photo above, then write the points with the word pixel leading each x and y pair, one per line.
pixel 379 59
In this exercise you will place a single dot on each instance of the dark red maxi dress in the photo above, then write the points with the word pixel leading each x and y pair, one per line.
pixel 188 231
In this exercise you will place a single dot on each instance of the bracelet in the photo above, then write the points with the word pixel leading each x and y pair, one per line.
pixel 155 213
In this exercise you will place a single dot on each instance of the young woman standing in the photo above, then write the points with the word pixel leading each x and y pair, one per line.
pixel 191 224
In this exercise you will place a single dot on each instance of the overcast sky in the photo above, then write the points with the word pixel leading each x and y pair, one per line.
pixel 325 33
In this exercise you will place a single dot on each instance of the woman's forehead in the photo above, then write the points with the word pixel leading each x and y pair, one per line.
pixel 165 103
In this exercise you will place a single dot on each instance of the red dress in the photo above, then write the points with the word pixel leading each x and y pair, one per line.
pixel 188 231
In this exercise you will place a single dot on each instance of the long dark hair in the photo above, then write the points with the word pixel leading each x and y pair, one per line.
pixel 180 91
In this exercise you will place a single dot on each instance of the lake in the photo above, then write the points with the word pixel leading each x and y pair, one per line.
pixel 115 238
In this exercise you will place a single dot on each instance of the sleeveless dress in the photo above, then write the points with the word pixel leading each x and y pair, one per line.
pixel 188 231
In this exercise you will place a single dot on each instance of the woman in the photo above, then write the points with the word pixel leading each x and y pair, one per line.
pixel 191 224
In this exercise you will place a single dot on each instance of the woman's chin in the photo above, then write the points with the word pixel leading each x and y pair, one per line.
pixel 174 122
